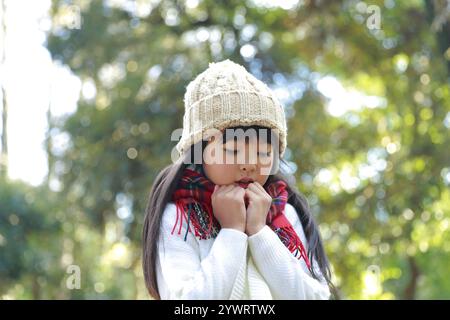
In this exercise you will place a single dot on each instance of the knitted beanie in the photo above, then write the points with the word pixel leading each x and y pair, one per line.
pixel 226 95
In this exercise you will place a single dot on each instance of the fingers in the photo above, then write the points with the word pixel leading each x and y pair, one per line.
pixel 251 193
pixel 239 191
pixel 255 190
pixel 228 189
pixel 258 186
pixel 222 188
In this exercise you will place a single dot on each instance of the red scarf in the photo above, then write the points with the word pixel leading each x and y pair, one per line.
pixel 193 201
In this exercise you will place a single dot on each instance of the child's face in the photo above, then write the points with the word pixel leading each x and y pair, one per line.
pixel 239 159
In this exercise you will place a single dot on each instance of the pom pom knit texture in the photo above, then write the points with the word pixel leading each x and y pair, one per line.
pixel 226 95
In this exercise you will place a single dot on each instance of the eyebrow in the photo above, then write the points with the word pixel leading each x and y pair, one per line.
pixel 234 146
pixel 227 138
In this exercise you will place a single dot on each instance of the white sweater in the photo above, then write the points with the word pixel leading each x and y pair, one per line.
pixel 233 266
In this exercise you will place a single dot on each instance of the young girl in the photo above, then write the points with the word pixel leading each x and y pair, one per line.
pixel 229 226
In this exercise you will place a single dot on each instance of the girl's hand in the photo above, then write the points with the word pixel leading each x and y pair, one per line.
pixel 229 207
pixel 259 202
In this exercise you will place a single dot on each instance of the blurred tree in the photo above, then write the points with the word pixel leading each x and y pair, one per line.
pixel 4 112
pixel 372 155
pixel 30 243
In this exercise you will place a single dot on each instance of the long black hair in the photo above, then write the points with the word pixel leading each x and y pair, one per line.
pixel 166 183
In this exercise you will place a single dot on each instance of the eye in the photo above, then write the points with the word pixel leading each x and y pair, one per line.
pixel 231 151
pixel 264 154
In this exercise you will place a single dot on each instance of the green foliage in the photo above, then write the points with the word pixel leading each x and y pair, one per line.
pixel 376 175
pixel 29 242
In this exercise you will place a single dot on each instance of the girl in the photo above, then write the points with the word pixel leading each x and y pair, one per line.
pixel 229 226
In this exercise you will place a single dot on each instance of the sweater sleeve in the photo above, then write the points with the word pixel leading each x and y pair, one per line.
pixel 181 272
pixel 287 277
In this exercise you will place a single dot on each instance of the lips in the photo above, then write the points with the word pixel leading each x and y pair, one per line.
pixel 244 182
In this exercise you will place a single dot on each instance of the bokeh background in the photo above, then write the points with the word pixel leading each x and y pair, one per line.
pixel 91 92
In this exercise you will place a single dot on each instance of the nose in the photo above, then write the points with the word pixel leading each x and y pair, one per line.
pixel 247 167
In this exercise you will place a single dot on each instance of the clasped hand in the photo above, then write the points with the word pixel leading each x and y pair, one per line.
pixel 229 207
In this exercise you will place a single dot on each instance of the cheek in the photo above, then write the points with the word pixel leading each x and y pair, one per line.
pixel 264 171
pixel 262 178
pixel 265 166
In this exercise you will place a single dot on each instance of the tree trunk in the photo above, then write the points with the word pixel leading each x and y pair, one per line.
pixel 4 154
pixel 48 143
pixel 437 17
pixel 410 290
pixel 35 288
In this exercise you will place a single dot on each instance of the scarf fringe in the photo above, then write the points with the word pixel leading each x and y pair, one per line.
pixel 290 239
pixel 204 223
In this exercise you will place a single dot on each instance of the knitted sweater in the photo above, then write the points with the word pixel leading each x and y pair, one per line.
pixel 233 265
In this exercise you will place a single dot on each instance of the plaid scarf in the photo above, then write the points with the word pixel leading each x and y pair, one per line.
pixel 193 201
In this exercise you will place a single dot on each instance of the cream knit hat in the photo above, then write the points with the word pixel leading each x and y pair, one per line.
pixel 226 95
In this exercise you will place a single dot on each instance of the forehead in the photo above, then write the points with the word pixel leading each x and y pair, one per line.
pixel 242 141
pixel 248 136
